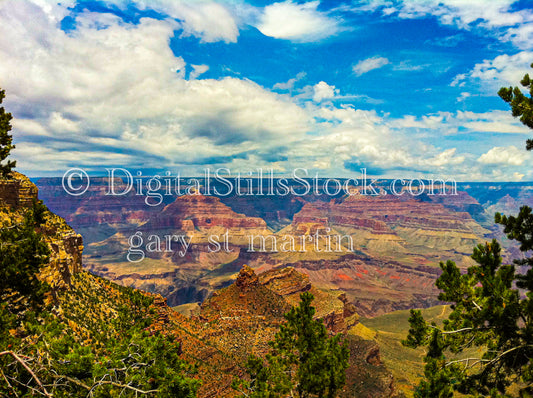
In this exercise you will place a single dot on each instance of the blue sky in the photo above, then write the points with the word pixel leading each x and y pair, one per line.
pixel 404 88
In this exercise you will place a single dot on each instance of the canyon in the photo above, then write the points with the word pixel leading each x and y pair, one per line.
pixel 390 253
pixel 223 305
pixel 216 337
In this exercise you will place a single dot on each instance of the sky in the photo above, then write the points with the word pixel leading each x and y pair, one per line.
pixel 401 88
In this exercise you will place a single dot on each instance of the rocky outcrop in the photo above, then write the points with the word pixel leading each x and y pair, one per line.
pixel 17 196
pixel 286 281
pixel 65 259
pixel 201 216
pixel 390 225
pixel 240 319
pixel 247 279
pixel 18 192
pixel 244 299
pixel 338 314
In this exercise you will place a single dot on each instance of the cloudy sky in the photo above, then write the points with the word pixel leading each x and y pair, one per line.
pixel 403 88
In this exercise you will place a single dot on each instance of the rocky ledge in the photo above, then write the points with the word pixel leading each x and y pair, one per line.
pixel 17 196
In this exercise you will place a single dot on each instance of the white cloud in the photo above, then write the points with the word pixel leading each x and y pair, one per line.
pixel 521 35
pixel 56 11
pixel 198 70
pixel 448 41
pixel 426 121
pixel 208 20
pixel 505 156
pixel 297 22
pixel 289 84
pixel 464 96
pixel 323 91
pixel 506 70
pixel 57 122
pixel 488 16
pixel 446 158
pixel 130 95
pixel 466 121
pixel 369 64
pixel 409 66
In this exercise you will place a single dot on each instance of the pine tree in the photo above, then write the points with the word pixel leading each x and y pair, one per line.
pixel 521 105
pixel 488 313
pixel 22 254
pixel 304 360
pixel 492 309
pixel 6 140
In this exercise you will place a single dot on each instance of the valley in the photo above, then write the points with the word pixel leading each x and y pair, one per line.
pixel 223 305
pixel 383 251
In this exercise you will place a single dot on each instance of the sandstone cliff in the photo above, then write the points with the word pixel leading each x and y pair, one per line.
pixel 253 307
pixel 397 241
pixel 18 195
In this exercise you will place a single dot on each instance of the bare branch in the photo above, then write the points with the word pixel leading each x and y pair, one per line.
pixel 8 383
pixel 125 386
pixel 467 360
pixel 461 330
pixel 23 363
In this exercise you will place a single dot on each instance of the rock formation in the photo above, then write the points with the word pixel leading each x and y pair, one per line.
pixel 253 307
pixel 18 195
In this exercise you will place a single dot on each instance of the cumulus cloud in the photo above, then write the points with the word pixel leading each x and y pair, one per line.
pixel 111 92
pixel 446 158
pixel 510 155
pixel 521 35
pixel 208 20
pixel 323 91
pixel 130 95
pixel 369 64
pixel 198 70
pixel 503 70
pixel 297 22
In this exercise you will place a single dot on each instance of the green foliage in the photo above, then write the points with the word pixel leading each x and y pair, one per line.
pixel 22 254
pixel 118 356
pixel 304 360
pixel 6 140
pixel 98 340
pixel 488 312
pixel 521 105
pixel 492 308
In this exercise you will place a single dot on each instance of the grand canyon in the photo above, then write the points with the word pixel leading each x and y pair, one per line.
pixel 222 305
pixel 396 241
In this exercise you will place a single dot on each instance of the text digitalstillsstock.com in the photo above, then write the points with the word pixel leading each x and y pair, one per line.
pixel 221 182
